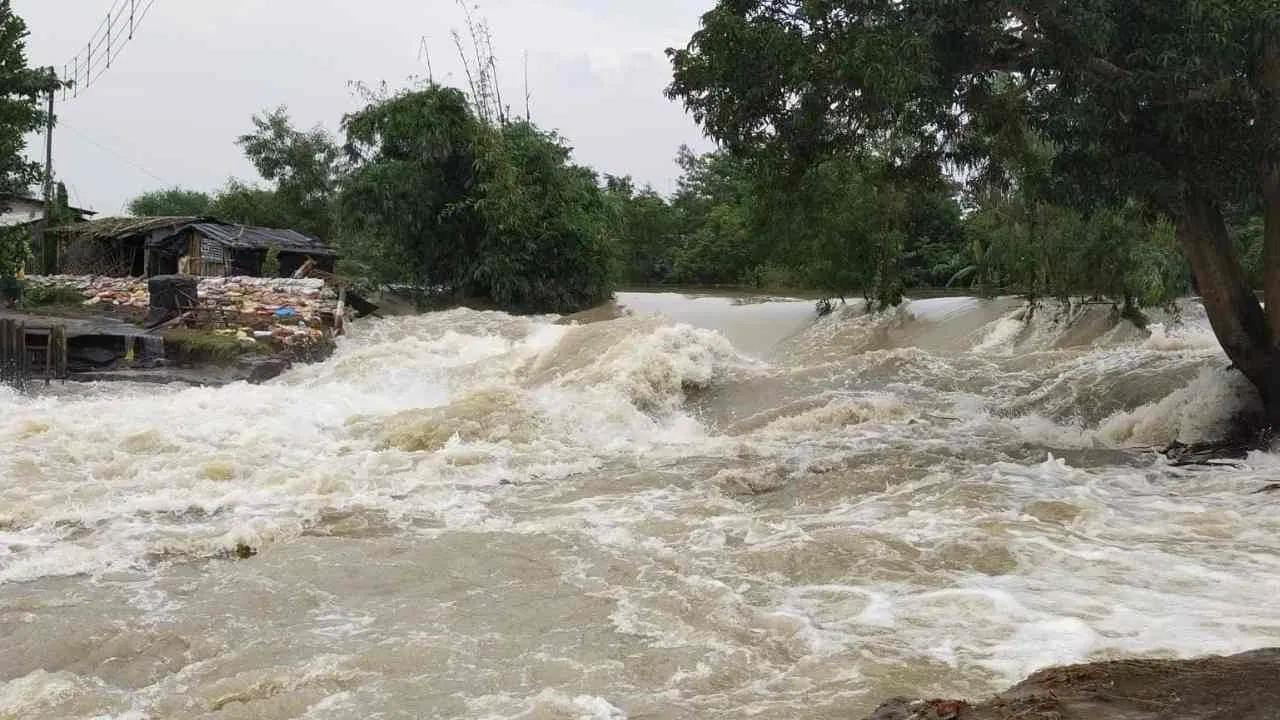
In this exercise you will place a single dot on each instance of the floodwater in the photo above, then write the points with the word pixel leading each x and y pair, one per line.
pixel 732 509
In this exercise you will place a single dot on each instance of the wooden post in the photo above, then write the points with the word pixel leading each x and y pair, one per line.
pixel 42 237
pixel 59 344
pixel 14 365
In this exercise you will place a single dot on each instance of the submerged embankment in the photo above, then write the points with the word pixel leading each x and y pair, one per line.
pixel 474 515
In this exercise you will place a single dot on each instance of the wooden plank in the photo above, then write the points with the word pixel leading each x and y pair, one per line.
pixel 14 364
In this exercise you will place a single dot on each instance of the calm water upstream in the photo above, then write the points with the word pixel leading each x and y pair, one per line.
pixel 729 509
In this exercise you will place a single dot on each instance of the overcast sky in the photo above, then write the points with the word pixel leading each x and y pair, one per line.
pixel 170 107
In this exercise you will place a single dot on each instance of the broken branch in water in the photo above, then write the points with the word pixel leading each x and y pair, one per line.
pixel 1215 453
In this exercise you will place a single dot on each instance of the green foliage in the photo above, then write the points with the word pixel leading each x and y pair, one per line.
pixel 304 165
pixel 935 247
pixel 404 212
pixel 173 202
pixel 304 168
pixel 271 263
pixel 545 242
pixel 187 346
pixel 772 276
pixel 1118 109
pixel 14 250
pixel 21 110
pixel 10 290
pixel 438 197
pixel 21 113
pixel 644 227
pixel 1045 250
pixel 46 295
pixel 715 210
pixel 250 205
pixel 844 225
pixel 1247 228
pixel 61 212
pixel 1131 92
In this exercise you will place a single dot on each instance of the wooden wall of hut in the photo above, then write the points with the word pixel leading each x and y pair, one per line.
pixel 13 353
pixel 31 353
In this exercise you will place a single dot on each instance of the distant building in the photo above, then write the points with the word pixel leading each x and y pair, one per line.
pixel 145 247
pixel 24 210
pixel 27 213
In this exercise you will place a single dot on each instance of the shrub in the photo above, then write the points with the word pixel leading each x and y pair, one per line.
pixel 47 295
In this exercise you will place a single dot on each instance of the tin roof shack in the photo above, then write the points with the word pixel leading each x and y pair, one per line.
pixel 202 246
pixel 115 247
pixel 209 248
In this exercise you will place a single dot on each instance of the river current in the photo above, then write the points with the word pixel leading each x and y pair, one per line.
pixel 707 508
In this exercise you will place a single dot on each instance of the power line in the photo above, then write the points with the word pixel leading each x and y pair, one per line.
pixel 118 154
pixel 114 32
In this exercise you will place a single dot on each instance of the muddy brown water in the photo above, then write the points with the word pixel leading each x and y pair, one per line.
pixel 707 508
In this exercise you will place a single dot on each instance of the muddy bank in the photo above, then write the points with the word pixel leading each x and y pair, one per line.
pixel 1241 687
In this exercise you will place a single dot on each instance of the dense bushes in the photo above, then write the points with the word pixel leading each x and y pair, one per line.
pixel 438 197
pixel 426 191
pixel 544 227
pixel 1046 250
pixel 429 192
pixel 843 226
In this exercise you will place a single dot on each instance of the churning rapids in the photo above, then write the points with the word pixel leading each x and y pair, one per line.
pixel 729 509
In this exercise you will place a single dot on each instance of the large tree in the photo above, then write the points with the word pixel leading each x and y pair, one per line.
pixel 1174 104
pixel 21 113
pixel 441 196
pixel 403 213
pixel 21 109
pixel 304 165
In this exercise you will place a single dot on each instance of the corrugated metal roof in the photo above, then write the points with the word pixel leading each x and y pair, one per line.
pixel 245 237
pixel 241 237
pixel 121 228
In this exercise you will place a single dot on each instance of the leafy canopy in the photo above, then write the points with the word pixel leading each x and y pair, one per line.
pixel 21 109
pixel 305 167
pixel 440 196
pixel 1141 99
pixel 174 201
pixel 403 212
pixel 21 112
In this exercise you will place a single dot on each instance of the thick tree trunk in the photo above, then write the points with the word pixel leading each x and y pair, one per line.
pixel 1269 79
pixel 1234 311
pixel 1271 250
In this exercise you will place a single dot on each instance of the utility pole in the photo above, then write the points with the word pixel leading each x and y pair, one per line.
pixel 45 264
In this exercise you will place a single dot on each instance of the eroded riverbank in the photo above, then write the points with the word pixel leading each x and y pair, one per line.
pixel 1240 687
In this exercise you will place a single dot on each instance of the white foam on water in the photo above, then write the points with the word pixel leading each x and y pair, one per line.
pixel 725 536
pixel 549 704
pixel 1003 333
pixel 201 471
pixel 42 694
pixel 1200 412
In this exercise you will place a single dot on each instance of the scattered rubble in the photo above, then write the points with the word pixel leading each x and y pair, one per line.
pixel 299 314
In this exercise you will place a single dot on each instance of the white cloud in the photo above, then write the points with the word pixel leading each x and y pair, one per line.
pixel 171 106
